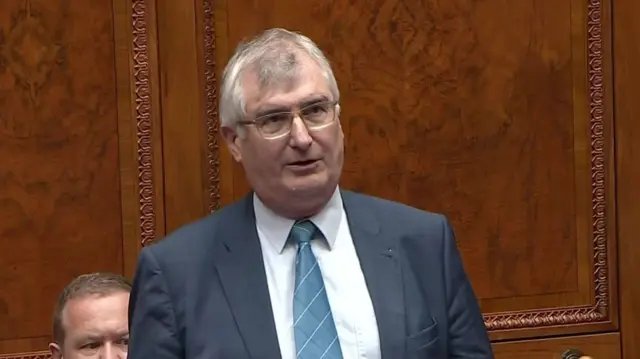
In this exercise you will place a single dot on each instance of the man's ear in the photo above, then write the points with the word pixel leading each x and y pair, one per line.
pixel 56 351
pixel 232 138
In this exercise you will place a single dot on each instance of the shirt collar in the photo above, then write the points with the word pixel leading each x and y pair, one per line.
pixel 276 228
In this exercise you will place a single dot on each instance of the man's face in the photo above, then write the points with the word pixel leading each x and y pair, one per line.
pixel 95 327
pixel 294 175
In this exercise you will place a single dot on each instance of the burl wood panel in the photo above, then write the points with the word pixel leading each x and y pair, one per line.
pixel 59 184
pixel 78 153
pixel 492 113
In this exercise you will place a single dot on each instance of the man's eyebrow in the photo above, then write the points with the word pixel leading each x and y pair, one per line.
pixel 271 109
pixel 314 100
pixel 97 337
pixel 89 338
pixel 307 101
pixel 122 333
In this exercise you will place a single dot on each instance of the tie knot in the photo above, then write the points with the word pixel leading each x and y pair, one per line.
pixel 303 231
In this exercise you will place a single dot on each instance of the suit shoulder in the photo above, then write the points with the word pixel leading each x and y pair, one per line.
pixel 399 212
pixel 189 240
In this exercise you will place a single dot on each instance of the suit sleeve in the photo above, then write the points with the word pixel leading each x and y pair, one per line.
pixel 468 336
pixel 152 322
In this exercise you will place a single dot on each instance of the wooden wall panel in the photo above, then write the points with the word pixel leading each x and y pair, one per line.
pixel 183 114
pixel 496 115
pixel 79 148
pixel 198 172
pixel 626 40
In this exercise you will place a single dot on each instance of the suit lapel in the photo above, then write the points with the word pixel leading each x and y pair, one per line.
pixel 239 263
pixel 378 258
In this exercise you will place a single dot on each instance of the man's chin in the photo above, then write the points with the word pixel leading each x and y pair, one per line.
pixel 312 183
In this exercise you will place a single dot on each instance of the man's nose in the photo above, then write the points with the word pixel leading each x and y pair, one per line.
pixel 112 351
pixel 300 137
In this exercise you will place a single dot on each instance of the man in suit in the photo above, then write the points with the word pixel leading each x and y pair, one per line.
pixel 90 318
pixel 300 268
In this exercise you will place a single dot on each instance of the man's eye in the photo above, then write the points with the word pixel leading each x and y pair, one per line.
pixel 276 118
pixel 91 346
pixel 316 109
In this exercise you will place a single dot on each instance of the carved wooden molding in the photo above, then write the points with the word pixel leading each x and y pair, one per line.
pixel 600 310
pixel 142 90
pixel 211 107
pixel 32 355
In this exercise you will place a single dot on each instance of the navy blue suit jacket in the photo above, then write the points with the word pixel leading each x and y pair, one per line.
pixel 201 293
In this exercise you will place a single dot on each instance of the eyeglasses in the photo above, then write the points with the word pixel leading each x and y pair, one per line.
pixel 315 116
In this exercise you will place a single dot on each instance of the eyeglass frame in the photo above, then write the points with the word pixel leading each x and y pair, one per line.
pixel 332 105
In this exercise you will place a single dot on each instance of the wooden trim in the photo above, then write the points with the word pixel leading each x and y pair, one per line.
pixel 598 346
pixel 213 54
pixel 146 107
pixel 138 126
pixel 211 106
pixel 31 355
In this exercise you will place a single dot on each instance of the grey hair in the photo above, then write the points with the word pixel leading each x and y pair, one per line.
pixel 272 55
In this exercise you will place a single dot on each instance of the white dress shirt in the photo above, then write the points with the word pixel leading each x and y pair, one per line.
pixel 344 282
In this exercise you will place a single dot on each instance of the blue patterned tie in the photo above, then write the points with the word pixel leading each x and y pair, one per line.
pixel 315 331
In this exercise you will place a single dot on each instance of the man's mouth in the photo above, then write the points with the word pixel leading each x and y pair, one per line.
pixel 302 163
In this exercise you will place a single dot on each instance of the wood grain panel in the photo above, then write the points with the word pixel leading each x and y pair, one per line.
pixel 495 114
pixel 79 190
pixel 626 34
pixel 183 125
pixel 197 172
pixel 59 148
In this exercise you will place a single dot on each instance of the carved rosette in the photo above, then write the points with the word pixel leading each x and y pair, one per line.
pixel 599 311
